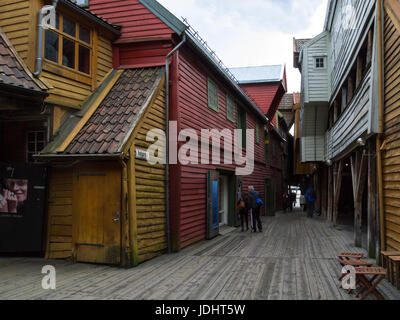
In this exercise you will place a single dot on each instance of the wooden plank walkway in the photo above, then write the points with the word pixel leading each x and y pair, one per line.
pixel 293 259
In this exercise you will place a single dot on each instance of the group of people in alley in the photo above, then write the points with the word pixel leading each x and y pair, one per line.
pixel 252 203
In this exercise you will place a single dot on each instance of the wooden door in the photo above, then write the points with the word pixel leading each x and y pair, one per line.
pixel 213 186
pixel 269 198
pixel 239 194
pixel 98 234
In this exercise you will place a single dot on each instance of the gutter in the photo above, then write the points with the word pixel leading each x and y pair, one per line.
pixel 167 203
pixel 39 54
pixel 61 157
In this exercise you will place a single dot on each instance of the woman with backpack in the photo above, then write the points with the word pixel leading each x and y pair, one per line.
pixel 243 209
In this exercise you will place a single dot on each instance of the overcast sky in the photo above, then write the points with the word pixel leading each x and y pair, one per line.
pixel 253 32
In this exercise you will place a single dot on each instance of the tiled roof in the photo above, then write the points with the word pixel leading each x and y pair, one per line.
pixel 12 71
pixel 286 108
pixel 117 114
pixel 258 74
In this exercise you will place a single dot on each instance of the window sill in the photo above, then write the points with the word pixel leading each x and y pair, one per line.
pixel 66 72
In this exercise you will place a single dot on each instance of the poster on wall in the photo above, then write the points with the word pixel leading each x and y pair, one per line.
pixel 13 195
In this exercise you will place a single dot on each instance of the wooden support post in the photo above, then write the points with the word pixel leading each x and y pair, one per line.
pixel 338 188
pixel 359 174
pixel 324 191
pixel 336 111
pixel 330 194
pixel 359 70
pixel 369 47
pixel 350 89
pixel 372 200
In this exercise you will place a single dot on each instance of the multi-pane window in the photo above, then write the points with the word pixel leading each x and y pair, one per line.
pixel 266 146
pixel 319 63
pixel 230 109
pixel 257 133
pixel 36 141
pixel 242 124
pixel 69 44
pixel 212 95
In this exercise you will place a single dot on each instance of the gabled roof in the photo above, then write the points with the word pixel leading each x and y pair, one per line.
pixel 13 71
pixel 286 108
pixel 201 48
pixel 298 44
pixel 112 123
pixel 262 74
pixel 114 29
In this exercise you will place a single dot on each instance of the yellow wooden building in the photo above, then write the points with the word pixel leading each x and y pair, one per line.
pixel 75 53
pixel 390 146
pixel 106 201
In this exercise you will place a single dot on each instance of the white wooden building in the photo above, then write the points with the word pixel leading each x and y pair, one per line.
pixel 339 117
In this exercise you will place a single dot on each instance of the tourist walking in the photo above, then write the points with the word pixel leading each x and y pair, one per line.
pixel 243 211
pixel 254 207
pixel 311 197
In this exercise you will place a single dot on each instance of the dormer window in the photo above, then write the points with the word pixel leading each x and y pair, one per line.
pixel 69 45
pixel 320 63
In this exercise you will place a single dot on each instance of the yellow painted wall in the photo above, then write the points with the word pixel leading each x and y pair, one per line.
pixel 15 17
pixel 59 226
pixel 68 88
pixel 149 226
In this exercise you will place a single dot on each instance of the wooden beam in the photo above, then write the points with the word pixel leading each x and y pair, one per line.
pixel 337 192
pixel 372 200
pixel 330 194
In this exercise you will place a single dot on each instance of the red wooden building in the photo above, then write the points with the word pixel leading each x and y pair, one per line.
pixel 202 94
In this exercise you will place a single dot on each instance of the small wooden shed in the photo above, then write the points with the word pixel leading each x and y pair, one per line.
pixel 106 204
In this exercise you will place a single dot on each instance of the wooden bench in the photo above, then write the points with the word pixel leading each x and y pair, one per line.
pixel 350 256
pixel 355 264
pixel 370 284
pixel 394 267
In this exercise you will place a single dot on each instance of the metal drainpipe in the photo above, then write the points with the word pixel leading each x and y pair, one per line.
pixel 39 57
pixel 167 205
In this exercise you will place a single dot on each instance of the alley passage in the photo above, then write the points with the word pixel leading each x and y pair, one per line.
pixel 294 258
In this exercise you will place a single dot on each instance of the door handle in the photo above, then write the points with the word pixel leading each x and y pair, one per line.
pixel 116 219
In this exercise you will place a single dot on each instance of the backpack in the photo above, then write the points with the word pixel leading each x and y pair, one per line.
pixel 260 203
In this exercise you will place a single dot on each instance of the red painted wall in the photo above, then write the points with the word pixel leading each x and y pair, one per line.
pixel 134 18
pixel 193 112
pixel 262 94
pixel 188 106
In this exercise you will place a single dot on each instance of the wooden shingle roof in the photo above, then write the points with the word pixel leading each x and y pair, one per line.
pixel 113 120
pixel 13 72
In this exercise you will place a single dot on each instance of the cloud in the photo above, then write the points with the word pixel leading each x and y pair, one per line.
pixel 254 32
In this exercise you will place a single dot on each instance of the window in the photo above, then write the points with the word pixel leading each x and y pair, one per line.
pixel 230 109
pixel 319 63
pixel 36 141
pixel 213 95
pixel 257 133
pixel 69 44
pixel 266 146
pixel 242 124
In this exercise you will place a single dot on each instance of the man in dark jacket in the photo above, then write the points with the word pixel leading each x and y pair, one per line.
pixel 254 209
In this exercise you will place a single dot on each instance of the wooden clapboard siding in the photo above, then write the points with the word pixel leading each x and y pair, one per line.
pixel 262 94
pixel 59 234
pixel 194 113
pixel 135 19
pixel 353 123
pixel 104 58
pixel 150 188
pixel 65 91
pixel 391 161
pixel 344 43
pixel 316 84
pixel 15 20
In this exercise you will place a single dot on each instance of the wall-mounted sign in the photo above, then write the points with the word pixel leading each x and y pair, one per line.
pixel 142 155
